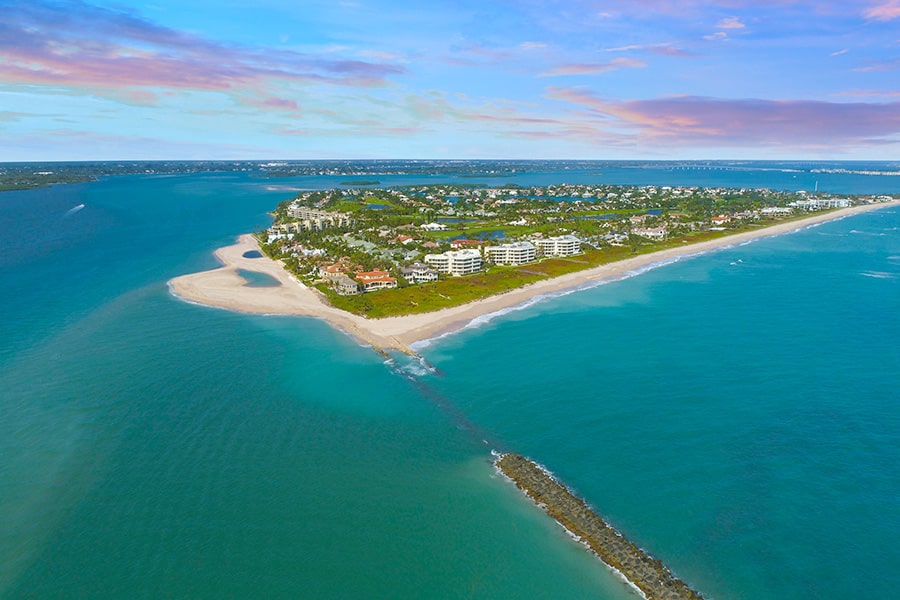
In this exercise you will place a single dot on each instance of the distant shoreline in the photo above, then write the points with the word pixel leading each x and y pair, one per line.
pixel 224 288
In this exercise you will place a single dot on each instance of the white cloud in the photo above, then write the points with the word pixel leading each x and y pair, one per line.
pixel 730 23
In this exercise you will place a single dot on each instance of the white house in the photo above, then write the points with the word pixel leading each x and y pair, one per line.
pixel 653 233
pixel 434 227
pixel 419 273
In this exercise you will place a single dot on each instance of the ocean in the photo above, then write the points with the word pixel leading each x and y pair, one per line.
pixel 733 413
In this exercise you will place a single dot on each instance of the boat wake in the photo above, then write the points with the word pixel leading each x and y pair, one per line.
pixel 73 210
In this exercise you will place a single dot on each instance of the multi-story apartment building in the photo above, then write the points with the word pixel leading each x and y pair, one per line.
pixel 316 220
pixel 455 262
pixel 562 245
pixel 516 253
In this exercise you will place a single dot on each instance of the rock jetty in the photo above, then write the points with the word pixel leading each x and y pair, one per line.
pixel 646 573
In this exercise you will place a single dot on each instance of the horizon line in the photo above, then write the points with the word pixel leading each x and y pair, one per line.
pixel 294 160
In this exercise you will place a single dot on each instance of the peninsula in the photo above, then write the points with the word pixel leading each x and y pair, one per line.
pixel 310 255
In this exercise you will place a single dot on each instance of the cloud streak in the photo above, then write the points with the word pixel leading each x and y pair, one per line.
pixel 692 120
pixel 77 45
pixel 883 11
pixel 594 68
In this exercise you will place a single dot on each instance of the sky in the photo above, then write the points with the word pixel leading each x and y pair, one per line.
pixel 523 79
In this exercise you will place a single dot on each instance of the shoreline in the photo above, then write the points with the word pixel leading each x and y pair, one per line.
pixel 224 288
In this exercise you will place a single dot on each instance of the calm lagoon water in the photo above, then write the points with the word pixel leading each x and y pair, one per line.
pixel 733 413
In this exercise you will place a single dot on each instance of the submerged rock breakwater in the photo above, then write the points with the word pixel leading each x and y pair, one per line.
pixel 647 574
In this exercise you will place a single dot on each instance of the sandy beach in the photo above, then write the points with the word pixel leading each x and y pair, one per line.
pixel 224 288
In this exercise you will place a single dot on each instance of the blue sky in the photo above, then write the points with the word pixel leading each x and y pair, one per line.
pixel 605 79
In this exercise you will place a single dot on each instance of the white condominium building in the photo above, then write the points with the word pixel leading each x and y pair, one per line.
pixel 516 253
pixel 455 262
pixel 312 219
pixel 819 203
pixel 563 245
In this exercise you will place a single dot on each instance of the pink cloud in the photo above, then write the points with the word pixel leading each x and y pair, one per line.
pixel 884 11
pixel 698 120
pixel 870 94
pixel 274 103
pixel 508 118
pixel 298 132
pixel 687 8
pixel 730 23
pixel 367 129
pixel 594 68
pixel 662 49
pixel 77 45
pixel 670 51
pixel 479 52
pixel 879 66
pixel 717 36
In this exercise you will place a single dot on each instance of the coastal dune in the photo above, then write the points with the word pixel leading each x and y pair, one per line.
pixel 225 288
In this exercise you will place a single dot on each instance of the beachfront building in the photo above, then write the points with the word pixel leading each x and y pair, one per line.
pixel 332 271
pixel 516 253
pixel 455 262
pixel 343 285
pixel 820 203
pixel 371 281
pixel 562 245
pixel 776 211
pixel 283 231
pixel 653 233
pixel 616 239
pixel 419 273
pixel 312 220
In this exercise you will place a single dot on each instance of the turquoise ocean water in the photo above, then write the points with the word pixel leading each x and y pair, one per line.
pixel 734 413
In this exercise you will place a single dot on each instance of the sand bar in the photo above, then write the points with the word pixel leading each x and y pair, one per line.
pixel 224 288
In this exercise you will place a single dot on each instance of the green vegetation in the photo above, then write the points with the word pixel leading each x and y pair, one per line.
pixel 612 222
pixel 24 176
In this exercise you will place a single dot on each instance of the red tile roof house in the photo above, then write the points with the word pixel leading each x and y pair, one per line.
pixel 332 271
pixel 457 244
pixel 375 280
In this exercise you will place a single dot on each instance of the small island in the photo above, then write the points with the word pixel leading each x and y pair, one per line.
pixel 394 266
